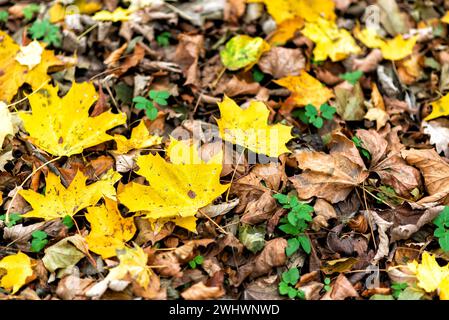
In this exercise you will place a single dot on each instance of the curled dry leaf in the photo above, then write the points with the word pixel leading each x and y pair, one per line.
pixel 382 227
pixel 259 210
pixel 282 62
pixel 187 54
pixel 323 211
pixel 341 289
pixel 435 172
pixel 438 130
pixel 199 291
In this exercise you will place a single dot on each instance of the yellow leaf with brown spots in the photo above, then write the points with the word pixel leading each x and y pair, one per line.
pixel 59 202
pixel 109 230
pixel 13 74
pixel 177 188
pixel 140 138
pixel 440 108
pixel 62 126
pixel 249 128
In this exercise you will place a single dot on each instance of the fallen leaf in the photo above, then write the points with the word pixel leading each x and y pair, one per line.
pixel 341 289
pixel 331 41
pixel 65 253
pixel 324 211
pixel 109 230
pixel 438 130
pixel 140 139
pixel 331 177
pixel 72 287
pixel 30 55
pixel 249 128
pixel 306 89
pixel 435 172
pixel 63 127
pixel 177 189
pixel 6 125
pixel 339 265
pixel 282 62
pixel 440 108
pixel 350 103
pixel 18 271
pixel 382 226
pixel 285 31
pixel 187 54
pixel 119 14
pixel 36 77
pixel 243 51
pixel 59 202
pixel 199 291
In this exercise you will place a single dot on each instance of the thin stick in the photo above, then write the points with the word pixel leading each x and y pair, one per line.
pixel 211 220
pixel 23 183
pixel 26 97
pixel 87 31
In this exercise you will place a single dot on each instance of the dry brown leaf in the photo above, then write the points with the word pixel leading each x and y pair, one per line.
pixel 341 289
pixel 435 172
pixel 370 62
pixel 382 227
pixel 199 291
pixel 259 210
pixel 131 61
pixel 330 177
pixel 115 55
pixel 282 62
pixel 187 54
pixel 235 87
pixel 323 211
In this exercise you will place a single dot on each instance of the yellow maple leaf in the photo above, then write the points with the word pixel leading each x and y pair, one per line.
pixel 440 108
pixel 13 74
pixel 58 11
pixel 330 41
pixel 445 19
pixel 392 49
pixel 249 128
pixel 310 10
pixel 62 126
pixel 140 138
pixel 306 89
pixel 59 202
pixel 109 230
pixel 285 31
pixel 6 125
pixel 119 14
pixel 18 270
pixel 133 262
pixel 177 188
pixel 430 275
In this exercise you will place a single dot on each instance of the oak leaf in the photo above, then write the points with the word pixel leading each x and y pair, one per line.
pixel 140 138
pixel 59 202
pixel 306 89
pixel 177 189
pixel 18 270
pixel 249 128
pixel 13 74
pixel 62 126
pixel 109 230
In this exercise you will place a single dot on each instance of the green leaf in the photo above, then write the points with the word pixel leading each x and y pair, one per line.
pixel 381 297
pixel 291 276
pixel 358 144
pixel 292 246
pixel 444 241
pixel 327 112
pixel 141 100
pixel 410 294
pixel 159 97
pixel 305 243
pixel 192 264
pixel 258 75
pixel 199 259
pixel 124 93
pixel 311 111
pixel 289 229
pixel 443 218
pixel 30 10
pixel 281 198
pixel 283 288
pixel 327 280
pixel 49 33
pixel 152 113
pixel 292 292
pixel 39 240
pixel 398 287
pixel 68 221
pixel 318 122
pixel 4 15
pixel 352 77
pixel 301 115
pixel 301 295
pixel 163 39
pixel 13 219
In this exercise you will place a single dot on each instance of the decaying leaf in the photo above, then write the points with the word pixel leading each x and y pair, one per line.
pixel 199 291
pixel 282 62
pixel 59 202
pixel 109 230
pixel 63 127
pixel 438 130
pixel 243 51
pixel 249 128
pixel 65 254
